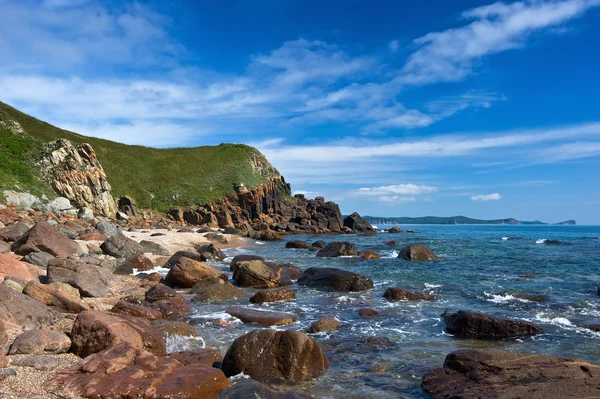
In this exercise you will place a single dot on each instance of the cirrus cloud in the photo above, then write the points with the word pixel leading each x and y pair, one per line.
pixel 486 197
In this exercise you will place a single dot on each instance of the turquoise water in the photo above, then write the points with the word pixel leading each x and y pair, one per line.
pixel 481 267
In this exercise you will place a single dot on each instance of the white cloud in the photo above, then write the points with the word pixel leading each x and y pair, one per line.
pixel 399 189
pixel 394 45
pixel 568 151
pixel 486 197
pixel 449 55
pixel 396 198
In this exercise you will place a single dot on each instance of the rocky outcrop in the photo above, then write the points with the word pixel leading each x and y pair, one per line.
pixel 474 325
pixel 269 206
pixel 75 173
pixel 357 223
pixel 275 356
pixel 511 375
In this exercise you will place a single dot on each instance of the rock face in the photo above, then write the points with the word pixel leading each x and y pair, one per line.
pixel 335 280
pixel 86 278
pixel 398 294
pixel 510 375
pixel 466 324
pixel 125 372
pixel 417 252
pixel 75 173
pixel 275 356
pixel 187 272
pixel 266 207
pixel 44 237
pixel 262 317
pixel 335 249
pixel 40 341
pixel 357 223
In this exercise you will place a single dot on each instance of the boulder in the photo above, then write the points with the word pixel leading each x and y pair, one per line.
pixel 97 331
pixel 22 201
pixel 394 230
pixel 243 258
pixel 324 324
pixel 171 310
pixel 511 375
pixel 262 317
pixel 334 280
pixel 318 244
pixel 135 310
pixel 187 272
pixel 366 313
pixel 269 235
pixel 357 223
pixel 216 237
pixel 43 237
pixel 274 295
pixel 25 312
pixel 205 356
pixel 13 232
pixel 85 213
pixel 417 252
pixel 40 259
pixel 336 249
pixel 398 294
pixel 86 278
pixel 247 388
pixel 369 254
pixel 161 292
pixel 40 341
pixel 126 371
pixel 93 236
pixel 13 285
pixel 175 328
pixel 467 324
pixel 108 229
pixel 210 252
pixel 140 262
pixel 214 289
pixel 11 266
pixel 120 246
pixel 41 362
pixel 297 244
pixel 50 295
pixel 154 248
pixel 260 274
pixel 392 243
pixel 275 356
pixel 128 206
pixel 4 247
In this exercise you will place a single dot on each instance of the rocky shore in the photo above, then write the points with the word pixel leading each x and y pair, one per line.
pixel 91 308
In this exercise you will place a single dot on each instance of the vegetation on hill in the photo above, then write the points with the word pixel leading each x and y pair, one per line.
pixel 442 220
pixel 158 179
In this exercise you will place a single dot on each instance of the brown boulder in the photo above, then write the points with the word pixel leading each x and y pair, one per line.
pixel 466 324
pixel 336 249
pixel 297 244
pixel 171 309
pixel 13 232
pixel 43 237
pixel 417 252
pixel 394 230
pixel 275 295
pixel 96 331
pixel 511 375
pixel 127 372
pixel 324 324
pixel 93 236
pixel 275 356
pixel 269 235
pixel 214 289
pixel 210 252
pixel 369 254
pixel 135 310
pixel 25 312
pixel 86 278
pixel 243 258
pixel 161 292
pixel 40 341
pixel 187 272
pixel 140 262
pixel 329 278
pixel 369 313
pixel 51 295
pixel 204 356
pixel 398 294
pixel 262 317
pixel 175 328
pixel 10 265
pixel 260 274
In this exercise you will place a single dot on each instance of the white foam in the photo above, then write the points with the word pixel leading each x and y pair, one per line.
pixel 505 238
pixel 432 286
pixel 541 241
pixel 179 343
pixel 502 298
pixel 393 254
pixel 160 270
pixel 556 321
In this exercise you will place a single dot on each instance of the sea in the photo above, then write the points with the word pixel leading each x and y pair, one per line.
pixel 481 268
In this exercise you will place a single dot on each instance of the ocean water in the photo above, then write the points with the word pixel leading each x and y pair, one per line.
pixel 481 268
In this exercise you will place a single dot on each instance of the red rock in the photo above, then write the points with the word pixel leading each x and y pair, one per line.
pixel 93 236
pixel 205 357
pixel 127 372
pixel 10 265
pixel 134 310
pixel 154 277
pixel 43 237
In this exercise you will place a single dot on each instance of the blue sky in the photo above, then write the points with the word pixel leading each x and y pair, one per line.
pixel 483 109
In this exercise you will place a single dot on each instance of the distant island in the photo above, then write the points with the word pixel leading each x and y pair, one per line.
pixel 453 220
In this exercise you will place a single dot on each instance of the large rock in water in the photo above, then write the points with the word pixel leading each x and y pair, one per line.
pixel 96 331
pixel 187 272
pixel 24 311
pixel 466 324
pixel 275 356
pixel 86 278
pixel 357 223
pixel 335 279
pixel 417 252
pixel 214 289
pixel 43 237
pixel 260 274
pixel 398 294
pixel 262 317
pixel 127 372
pixel 120 246
pixel 75 173
pixel 509 375
pixel 275 295
pixel 247 388
pixel 335 249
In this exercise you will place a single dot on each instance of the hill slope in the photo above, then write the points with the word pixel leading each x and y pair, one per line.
pixel 442 220
pixel 158 179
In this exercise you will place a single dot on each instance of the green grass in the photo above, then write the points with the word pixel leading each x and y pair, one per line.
pixel 158 179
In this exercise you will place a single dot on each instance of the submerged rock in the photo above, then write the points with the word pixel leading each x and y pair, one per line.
pixel 262 317
pixel 335 279
pixel 467 324
pixel 398 294
pixel 324 324
pixel 214 289
pixel 297 244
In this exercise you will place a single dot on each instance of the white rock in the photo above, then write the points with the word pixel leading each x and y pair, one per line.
pixel 22 201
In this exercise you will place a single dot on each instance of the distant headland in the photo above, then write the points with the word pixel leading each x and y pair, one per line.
pixel 454 220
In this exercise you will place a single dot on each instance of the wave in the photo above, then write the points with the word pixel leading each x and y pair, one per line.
pixel 160 270
pixel 548 241
pixel 509 238
pixel 393 254
pixel 503 298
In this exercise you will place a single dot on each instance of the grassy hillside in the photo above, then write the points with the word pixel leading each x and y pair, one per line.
pixel 441 220
pixel 158 179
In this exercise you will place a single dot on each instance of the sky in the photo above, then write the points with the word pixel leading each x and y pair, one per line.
pixel 390 108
